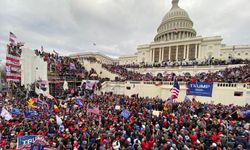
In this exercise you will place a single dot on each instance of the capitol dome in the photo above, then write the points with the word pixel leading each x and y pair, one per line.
pixel 175 25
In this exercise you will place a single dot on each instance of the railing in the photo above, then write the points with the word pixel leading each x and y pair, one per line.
pixel 247 86
pixel 170 83
pixel 232 85
pixel 189 66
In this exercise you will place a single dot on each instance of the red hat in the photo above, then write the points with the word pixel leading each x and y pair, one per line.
pixel 75 144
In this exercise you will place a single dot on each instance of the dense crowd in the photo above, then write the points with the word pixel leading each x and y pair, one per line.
pixel 230 75
pixel 121 122
pixel 66 68
pixel 207 62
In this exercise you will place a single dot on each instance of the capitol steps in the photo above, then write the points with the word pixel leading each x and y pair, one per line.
pixel 101 72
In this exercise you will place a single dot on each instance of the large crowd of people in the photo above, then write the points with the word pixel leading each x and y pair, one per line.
pixel 207 62
pixel 66 68
pixel 107 121
pixel 230 75
pixel 81 118
pixel 84 118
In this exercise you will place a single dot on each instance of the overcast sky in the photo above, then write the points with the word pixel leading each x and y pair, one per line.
pixel 116 26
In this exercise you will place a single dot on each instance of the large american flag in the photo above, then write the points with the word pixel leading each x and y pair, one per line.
pixel 175 90
pixel 13 68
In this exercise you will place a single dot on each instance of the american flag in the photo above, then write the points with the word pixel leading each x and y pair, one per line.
pixel 175 90
pixel 12 38
pixel 13 68
pixel 94 110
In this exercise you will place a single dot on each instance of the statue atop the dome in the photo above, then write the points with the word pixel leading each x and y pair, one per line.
pixel 175 3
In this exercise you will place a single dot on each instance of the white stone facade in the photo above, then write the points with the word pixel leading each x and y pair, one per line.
pixel 99 57
pixel 33 68
pixel 176 40
pixel 197 48
pixel 239 51
pixel 125 60
pixel 223 93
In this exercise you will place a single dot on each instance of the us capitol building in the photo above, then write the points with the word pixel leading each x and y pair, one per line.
pixel 176 40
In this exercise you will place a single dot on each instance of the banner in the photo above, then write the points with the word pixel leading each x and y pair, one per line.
pixel 41 84
pixel 125 114
pixel 200 89
pixel 31 143
pixel 117 107
pixel 6 115
pixel 156 113
pixel 89 84
pixel 24 141
pixel 30 114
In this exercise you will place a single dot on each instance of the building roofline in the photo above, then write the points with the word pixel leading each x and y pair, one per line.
pixel 92 53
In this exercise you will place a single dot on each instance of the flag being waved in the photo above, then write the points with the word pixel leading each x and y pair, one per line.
pixel 58 120
pixel 78 102
pixel 12 38
pixel 93 110
pixel 6 115
pixel 187 99
pixel 56 109
pixel 31 103
pixel 175 90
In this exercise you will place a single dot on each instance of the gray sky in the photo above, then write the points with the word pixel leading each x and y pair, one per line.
pixel 116 26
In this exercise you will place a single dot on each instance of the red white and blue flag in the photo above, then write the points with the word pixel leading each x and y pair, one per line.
pixel 93 110
pixel 13 68
pixel 175 90
pixel 12 38
pixel 13 61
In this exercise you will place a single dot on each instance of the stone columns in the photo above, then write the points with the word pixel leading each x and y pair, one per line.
pixel 160 54
pixel 150 55
pixel 185 49
pixel 169 52
pixel 177 50
pixel 187 52
pixel 153 54
pixel 196 45
pixel 200 55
